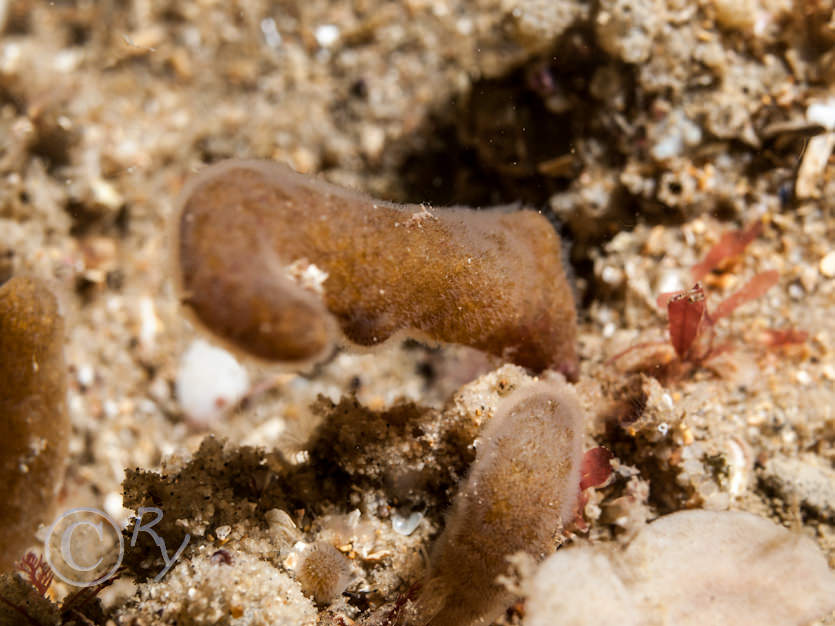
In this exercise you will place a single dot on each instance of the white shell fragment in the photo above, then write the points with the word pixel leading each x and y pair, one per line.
pixel 326 35
pixel 827 265
pixel 815 158
pixel 823 113
pixel 406 525
pixel 209 381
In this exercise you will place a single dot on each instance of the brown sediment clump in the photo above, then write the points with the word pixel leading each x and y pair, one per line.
pixel 33 411
pixel 282 266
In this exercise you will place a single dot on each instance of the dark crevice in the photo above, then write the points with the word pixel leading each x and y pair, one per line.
pixel 513 139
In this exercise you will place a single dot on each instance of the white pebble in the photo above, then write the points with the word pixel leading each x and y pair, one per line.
pixel 406 525
pixel 149 324
pixel 326 35
pixel 827 265
pixel 113 505
pixel 111 409
pixel 802 377
pixel 106 194
pixel 271 35
pixel 85 375
pixel 209 381
pixel 822 113
pixel 670 281
pixel 612 275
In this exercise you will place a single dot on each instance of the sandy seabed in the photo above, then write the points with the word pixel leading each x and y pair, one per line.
pixel 644 129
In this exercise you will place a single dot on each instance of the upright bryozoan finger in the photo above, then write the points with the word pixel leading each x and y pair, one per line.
pixel 521 491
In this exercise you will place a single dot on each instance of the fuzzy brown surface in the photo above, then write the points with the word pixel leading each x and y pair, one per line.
pixel 489 279
pixel 33 411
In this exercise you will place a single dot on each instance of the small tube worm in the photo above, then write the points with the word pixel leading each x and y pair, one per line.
pixel 521 490
pixel 283 266
pixel 33 412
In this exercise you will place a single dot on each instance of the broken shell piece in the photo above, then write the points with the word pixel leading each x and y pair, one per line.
pixel 827 265
pixel 813 164
pixel 406 525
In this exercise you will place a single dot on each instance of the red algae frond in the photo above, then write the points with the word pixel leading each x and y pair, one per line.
pixel 731 244
pixel 491 279
pixel 521 492
pixel 691 325
pixel 33 412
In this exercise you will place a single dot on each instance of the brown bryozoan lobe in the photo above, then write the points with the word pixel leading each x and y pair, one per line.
pixel 33 412
pixel 521 491
pixel 251 233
